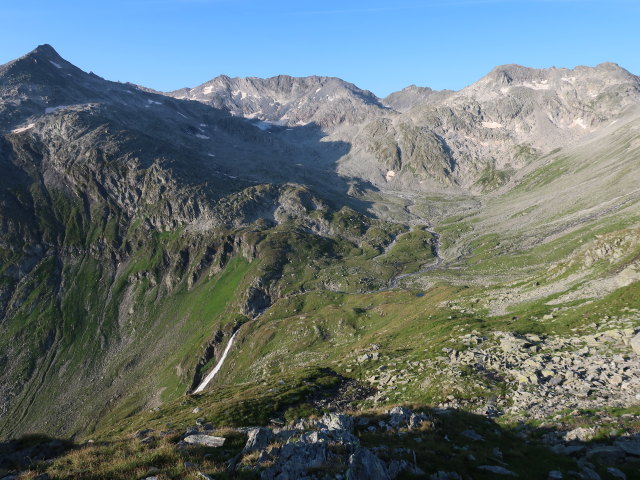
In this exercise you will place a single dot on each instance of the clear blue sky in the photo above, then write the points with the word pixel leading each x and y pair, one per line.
pixel 379 45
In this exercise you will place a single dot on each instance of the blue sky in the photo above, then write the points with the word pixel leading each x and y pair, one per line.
pixel 382 46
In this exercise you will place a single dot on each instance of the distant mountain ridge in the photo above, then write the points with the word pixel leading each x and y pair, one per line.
pixel 325 101
pixel 489 129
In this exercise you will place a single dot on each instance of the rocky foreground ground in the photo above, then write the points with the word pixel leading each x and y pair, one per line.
pixel 569 409
pixel 439 444
pixel 540 375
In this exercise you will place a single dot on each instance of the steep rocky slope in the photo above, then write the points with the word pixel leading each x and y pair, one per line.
pixel 115 211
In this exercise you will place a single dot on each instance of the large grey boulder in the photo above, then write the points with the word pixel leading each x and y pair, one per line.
pixel 337 421
pixel 581 434
pixel 630 446
pixel 258 439
pixel 294 459
pixel 399 416
pixel 364 465
pixel 205 440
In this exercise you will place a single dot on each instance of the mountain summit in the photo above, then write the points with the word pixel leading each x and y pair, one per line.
pixel 324 101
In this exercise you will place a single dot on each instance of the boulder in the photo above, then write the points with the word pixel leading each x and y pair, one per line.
pixel 205 440
pixel 498 470
pixel 607 454
pixel 336 421
pixel 472 435
pixel 294 459
pixel 258 439
pixel 589 474
pixel 364 465
pixel 616 473
pixel 631 446
pixel 581 434
pixel 399 416
pixel 416 420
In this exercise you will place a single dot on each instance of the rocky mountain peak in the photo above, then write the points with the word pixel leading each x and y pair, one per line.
pixel 45 51
pixel 286 100
pixel 43 58
pixel 552 79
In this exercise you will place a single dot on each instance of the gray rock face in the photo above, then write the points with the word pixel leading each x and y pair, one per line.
pixel 364 465
pixel 479 134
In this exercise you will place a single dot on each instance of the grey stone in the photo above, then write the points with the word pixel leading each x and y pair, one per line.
pixel 364 465
pixel 473 435
pixel 616 473
pixel 396 467
pixel 258 439
pixel 314 437
pixel 581 434
pixel 606 454
pixel 630 446
pixel 399 416
pixel 205 440
pixel 336 421
pixel 416 420
pixel 589 474
pixel 498 470
pixel 294 459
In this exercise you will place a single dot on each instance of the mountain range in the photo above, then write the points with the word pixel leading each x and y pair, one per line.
pixel 335 234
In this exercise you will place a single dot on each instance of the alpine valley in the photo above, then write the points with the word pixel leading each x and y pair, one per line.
pixel 291 278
